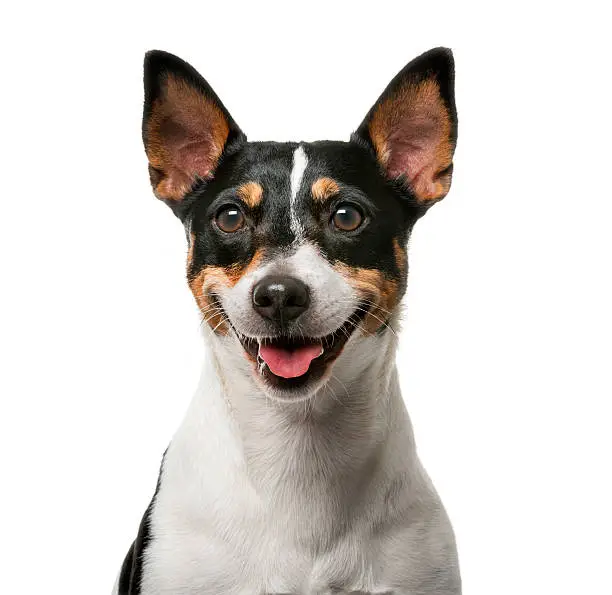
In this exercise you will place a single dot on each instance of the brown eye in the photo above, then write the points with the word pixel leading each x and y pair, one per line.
pixel 347 218
pixel 230 219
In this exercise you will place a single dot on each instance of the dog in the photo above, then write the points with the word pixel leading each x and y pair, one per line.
pixel 295 469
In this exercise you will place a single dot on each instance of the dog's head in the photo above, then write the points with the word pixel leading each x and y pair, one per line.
pixel 296 249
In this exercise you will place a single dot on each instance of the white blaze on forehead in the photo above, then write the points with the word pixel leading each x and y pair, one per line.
pixel 300 162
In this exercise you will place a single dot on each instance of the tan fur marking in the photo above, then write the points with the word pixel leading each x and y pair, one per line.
pixel 400 256
pixel 190 251
pixel 423 107
pixel 201 285
pixel 209 280
pixel 381 293
pixel 186 133
pixel 251 194
pixel 324 188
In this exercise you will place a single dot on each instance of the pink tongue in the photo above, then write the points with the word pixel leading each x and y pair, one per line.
pixel 289 364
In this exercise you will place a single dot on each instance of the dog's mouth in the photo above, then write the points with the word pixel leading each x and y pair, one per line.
pixel 292 362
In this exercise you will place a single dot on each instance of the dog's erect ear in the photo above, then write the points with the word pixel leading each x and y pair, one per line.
pixel 185 128
pixel 412 127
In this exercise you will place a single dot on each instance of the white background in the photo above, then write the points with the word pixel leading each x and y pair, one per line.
pixel 505 356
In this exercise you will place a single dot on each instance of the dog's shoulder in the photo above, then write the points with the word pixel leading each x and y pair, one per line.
pixel 428 537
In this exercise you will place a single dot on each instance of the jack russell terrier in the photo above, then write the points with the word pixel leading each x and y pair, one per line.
pixel 295 469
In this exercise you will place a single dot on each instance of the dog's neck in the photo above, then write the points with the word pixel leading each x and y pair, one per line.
pixel 310 461
pixel 338 428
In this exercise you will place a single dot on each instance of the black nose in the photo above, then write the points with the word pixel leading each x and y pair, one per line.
pixel 281 299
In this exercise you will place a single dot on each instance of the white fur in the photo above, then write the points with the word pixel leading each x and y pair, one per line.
pixel 249 484
pixel 300 163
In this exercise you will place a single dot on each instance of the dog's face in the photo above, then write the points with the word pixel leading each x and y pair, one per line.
pixel 297 248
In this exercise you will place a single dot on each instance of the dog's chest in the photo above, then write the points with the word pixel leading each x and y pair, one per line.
pixel 276 525
pixel 267 564
pixel 226 540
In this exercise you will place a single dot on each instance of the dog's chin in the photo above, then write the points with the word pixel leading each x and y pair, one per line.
pixel 284 379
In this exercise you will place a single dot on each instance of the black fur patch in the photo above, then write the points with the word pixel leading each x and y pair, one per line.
pixel 130 577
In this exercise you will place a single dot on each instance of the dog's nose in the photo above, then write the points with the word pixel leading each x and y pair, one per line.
pixel 281 299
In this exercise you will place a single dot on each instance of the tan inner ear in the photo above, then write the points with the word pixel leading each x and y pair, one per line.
pixel 186 133
pixel 411 132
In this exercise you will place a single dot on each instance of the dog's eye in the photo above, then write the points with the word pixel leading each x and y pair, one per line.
pixel 230 219
pixel 347 218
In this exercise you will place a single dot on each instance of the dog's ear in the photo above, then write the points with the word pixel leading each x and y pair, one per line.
pixel 185 127
pixel 412 128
